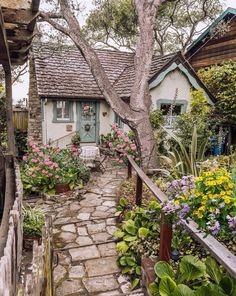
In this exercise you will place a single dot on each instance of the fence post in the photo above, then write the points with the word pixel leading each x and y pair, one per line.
pixel 165 239
pixel 139 191
pixel 129 175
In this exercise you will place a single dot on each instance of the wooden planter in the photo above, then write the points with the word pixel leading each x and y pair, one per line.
pixel 28 241
pixel 62 188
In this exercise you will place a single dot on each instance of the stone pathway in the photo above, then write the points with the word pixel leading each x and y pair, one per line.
pixel 83 238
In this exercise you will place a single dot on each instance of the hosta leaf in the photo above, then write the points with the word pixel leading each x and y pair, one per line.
pixel 143 232
pixel 130 227
pixel 122 247
pixel 162 269
pixel 126 269
pixel 119 233
pixel 130 261
pixel 135 282
pixel 122 261
pixel 138 270
pixel 211 290
pixel 130 238
pixel 183 290
pixel 213 269
pixel 123 202
pixel 191 268
pixel 153 288
pixel 167 286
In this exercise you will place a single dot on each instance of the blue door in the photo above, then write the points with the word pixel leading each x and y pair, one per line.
pixel 87 121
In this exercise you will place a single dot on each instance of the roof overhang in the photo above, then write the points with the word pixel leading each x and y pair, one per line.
pixel 17 23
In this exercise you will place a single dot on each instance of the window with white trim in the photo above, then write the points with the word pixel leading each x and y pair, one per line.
pixel 63 110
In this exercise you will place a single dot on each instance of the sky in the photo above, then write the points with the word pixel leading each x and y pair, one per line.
pixel 20 90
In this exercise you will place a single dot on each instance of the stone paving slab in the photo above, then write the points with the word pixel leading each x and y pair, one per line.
pixel 84 242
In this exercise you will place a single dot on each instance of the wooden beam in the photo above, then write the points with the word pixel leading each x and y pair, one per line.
pixel 17 16
pixel 3 42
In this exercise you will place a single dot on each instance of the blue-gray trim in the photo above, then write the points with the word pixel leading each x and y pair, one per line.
pixel 183 103
pixel 229 10
pixel 71 112
pixel 192 80
pixel 118 120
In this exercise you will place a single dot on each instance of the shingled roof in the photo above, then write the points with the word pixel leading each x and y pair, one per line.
pixel 65 73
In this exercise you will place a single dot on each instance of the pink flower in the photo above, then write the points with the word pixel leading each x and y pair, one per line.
pixel 121 161
pixel 126 140
pixel 50 174
pixel 125 154
pixel 44 171
pixel 41 154
pixel 57 169
pixel 34 160
pixel 35 150
pixel 55 165
pixel 117 159
pixel 110 144
pixel 137 158
pixel 24 158
pixel 57 177
pixel 127 148
pixel 40 163
pixel 133 148
pixel 34 176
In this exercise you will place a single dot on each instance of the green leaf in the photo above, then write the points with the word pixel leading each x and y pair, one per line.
pixel 122 261
pixel 130 227
pixel 126 269
pixel 153 288
pixel 167 286
pixel 192 268
pixel 130 261
pixel 210 290
pixel 138 270
pixel 119 233
pixel 143 232
pixel 135 282
pixel 122 247
pixel 163 269
pixel 130 238
pixel 183 290
pixel 213 269
pixel 227 285
pixel 123 202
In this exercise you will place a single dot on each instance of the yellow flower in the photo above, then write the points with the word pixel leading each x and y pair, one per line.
pixel 176 202
pixel 227 200
pixel 199 215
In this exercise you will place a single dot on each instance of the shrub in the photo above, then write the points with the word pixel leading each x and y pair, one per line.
pixel 33 221
pixel 44 167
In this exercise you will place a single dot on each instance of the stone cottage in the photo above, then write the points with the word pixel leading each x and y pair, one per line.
pixel 64 96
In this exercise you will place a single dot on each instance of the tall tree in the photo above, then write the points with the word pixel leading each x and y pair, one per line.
pixel 114 23
pixel 136 112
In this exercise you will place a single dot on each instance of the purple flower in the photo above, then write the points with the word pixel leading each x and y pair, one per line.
pixel 222 205
pixel 231 221
pixel 213 226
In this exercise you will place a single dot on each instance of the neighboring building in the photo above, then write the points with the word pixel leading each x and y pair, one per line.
pixel 216 44
pixel 64 96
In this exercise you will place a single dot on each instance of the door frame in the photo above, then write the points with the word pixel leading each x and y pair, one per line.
pixel 97 117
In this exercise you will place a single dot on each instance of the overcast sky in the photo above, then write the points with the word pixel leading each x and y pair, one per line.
pixel 20 90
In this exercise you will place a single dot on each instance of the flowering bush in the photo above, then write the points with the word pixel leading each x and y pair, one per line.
pixel 122 145
pixel 44 167
pixel 208 199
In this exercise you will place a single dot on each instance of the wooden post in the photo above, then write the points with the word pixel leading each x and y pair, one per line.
pixel 139 191
pixel 129 170
pixel 165 240
pixel 9 112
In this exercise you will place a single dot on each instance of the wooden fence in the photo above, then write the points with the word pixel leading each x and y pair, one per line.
pixel 39 282
pixel 10 262
pixel 20 118
pixel 216 249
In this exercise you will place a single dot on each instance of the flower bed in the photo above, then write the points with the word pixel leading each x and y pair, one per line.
pixel 44 168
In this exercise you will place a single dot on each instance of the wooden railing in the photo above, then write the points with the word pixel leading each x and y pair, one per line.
pixel 215 248
pixel 62 142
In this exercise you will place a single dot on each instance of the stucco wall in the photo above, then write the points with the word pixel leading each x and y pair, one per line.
pixel 167 88
pixel 164 91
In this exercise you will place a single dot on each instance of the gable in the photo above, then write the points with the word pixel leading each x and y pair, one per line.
pixel 189 78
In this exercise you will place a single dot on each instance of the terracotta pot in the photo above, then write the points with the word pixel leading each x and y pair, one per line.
pixel 28 241
pixel 61 188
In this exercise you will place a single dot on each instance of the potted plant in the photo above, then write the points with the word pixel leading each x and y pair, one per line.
pixel 75 140
pixel 33 222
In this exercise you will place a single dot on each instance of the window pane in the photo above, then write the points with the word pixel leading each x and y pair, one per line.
pixel 66 109
pixel 166 108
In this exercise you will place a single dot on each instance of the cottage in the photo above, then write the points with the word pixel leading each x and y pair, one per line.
pixel 216 44
pixel 64 96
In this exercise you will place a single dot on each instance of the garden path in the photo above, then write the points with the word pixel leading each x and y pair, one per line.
pixel 83 228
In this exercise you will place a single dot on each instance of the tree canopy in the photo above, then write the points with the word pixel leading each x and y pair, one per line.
pixel 114 23
pixel 220 80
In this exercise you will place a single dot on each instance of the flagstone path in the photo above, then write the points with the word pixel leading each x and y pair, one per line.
pixel 84 245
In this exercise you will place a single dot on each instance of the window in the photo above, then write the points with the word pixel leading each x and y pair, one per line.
pixel 63 111
pixel 166 108
pixel 119 121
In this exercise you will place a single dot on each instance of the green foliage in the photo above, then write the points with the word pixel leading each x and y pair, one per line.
pixel 199 117
pixel 3 130
pixel 220 80
pixel 33 221
pixel 156 118
pixel 114 23
pixel 45 167
pixel 138 237
pixel 193 277
pixel 21 141
pixel 75 140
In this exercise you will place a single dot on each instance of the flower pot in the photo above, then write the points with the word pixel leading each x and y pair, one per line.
pixel 62 188
pixel 28 241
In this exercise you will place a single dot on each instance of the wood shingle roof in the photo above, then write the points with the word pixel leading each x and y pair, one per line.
pixel 65 73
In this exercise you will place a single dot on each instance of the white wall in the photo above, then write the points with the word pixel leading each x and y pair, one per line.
pixel 167 88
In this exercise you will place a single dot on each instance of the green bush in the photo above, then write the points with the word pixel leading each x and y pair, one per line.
pixel 33 221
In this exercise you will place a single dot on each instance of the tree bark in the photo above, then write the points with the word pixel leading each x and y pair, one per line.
pixel 135 114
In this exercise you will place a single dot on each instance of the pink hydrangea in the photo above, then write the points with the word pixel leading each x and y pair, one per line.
pixel 126 140
pixel 41 154
pixel 57 169
pixel 57 177
pixel 24 158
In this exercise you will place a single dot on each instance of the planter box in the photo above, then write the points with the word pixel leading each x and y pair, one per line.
pixel 148 274
pixel 28 241
pixel 62 188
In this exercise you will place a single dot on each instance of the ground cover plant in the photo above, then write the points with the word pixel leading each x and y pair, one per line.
pixel 45 167
pixel 33 221
pixel 193 277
